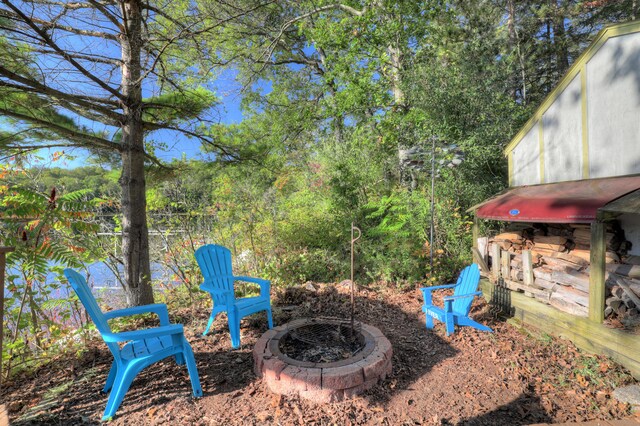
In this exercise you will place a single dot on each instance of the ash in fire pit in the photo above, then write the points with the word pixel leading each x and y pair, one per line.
pixel 322 342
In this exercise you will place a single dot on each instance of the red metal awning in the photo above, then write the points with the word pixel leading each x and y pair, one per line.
pixel 563 202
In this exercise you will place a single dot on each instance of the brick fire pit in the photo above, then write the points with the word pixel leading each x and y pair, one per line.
pixel 322 381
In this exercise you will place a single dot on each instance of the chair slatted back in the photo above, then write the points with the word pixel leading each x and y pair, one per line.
pixel 467 283
pixel 215 264
pixel 79 285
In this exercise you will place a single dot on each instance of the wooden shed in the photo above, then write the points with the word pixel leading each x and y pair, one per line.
pixel 570 261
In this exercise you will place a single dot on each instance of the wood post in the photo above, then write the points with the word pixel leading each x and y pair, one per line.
pixel 597 271
pixel 527 267
pixel 475 232
pixel 506 265
pixel 3 262
pixel 495 259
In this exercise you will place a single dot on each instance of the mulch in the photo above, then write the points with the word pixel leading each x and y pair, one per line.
pixel 510 377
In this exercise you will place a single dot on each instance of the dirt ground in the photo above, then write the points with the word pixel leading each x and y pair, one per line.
pixel 509 377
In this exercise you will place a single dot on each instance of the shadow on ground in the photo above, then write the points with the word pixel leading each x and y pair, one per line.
pixel 469 378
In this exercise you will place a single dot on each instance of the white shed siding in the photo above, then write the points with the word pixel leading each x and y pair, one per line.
pixel 526 159
pixel 562 136
pixel 613 104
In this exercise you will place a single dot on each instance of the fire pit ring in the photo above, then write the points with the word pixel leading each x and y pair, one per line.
pixel 322 381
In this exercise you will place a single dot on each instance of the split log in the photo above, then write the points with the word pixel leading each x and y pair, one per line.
pixel 572 295
pixel 577 280
pixel 613 281
pixel 617 292
pixel 560 264
pixel 569 257
pixel 558 302
pixel 584 236
pixel 546 246
pixel 515 236
pixel 543 273
pixel 629 291
pixel 542 252
pixel 631 260
pixel 551 240
pixel 544 284
pixel 585 255
pixel 613 302
pixel 631 271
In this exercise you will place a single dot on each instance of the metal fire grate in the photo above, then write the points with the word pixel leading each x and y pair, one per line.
pixel 326 340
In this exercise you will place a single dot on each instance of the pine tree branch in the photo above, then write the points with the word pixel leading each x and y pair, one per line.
pixel 47 40
pixel 97 58
pixel 81 139
pixel 107 14
pixel 52 25
pixel 89 102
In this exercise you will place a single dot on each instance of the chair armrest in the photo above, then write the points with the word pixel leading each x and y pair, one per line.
pixel 426 292
pixel 437 287
pixel 265 285
pixel 462 296
pixel 158 309
pixel 126 336
pixel 448 300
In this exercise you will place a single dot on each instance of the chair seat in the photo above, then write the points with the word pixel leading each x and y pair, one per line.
pixel 146 347
pixel 247 302
pixel 439 311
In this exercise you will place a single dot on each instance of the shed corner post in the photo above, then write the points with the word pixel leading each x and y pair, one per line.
pixel 475 231
pixel 597 270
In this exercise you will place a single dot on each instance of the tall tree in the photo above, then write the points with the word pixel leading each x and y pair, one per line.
pixel 121 69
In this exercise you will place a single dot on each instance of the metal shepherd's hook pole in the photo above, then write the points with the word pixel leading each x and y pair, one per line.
pixel 353 240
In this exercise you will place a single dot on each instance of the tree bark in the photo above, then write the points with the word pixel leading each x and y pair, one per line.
pixel 559 41
pixel 135 233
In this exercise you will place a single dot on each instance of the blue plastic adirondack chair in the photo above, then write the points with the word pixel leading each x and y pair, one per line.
pixel 456 307
pixel 215 264
pixel 142 348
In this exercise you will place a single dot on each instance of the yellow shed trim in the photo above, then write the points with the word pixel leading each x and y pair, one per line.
pixel 541 148
pixel 585 127
pixel 605 34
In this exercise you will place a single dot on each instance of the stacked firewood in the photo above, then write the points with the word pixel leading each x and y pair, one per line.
pixel 623 290
pixel 560 256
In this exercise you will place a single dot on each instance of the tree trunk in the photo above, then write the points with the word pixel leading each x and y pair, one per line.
pixel 135 233
pixel 513 44
pixel 559 41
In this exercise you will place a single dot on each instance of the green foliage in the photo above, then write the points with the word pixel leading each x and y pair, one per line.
pixel 49 232
pixel 174 107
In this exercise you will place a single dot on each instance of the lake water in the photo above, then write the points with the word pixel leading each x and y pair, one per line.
pixel 104 283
